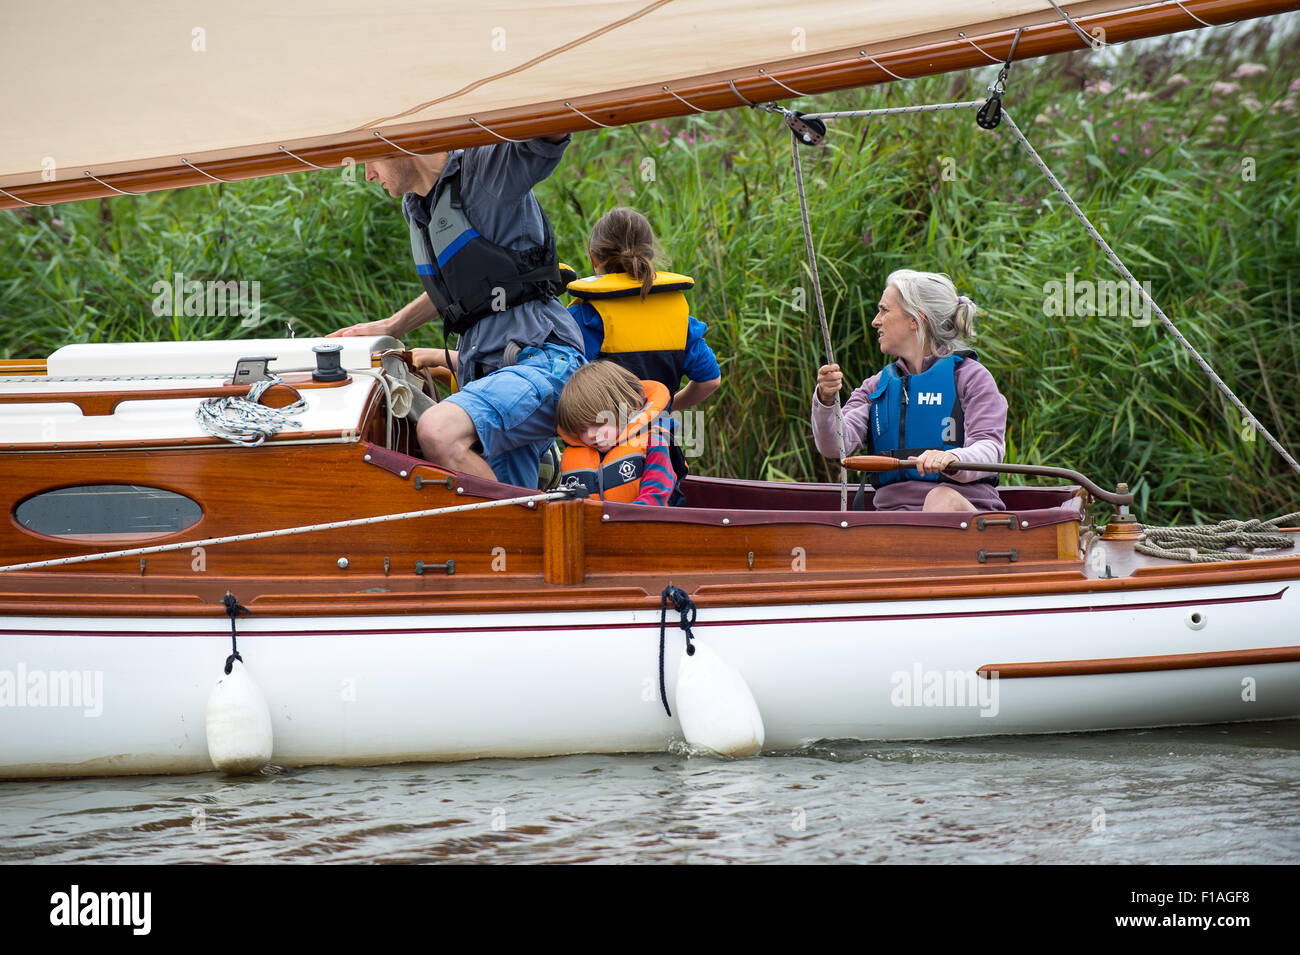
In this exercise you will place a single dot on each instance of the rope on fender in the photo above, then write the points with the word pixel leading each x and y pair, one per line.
pixel 233 610
pixel 686 611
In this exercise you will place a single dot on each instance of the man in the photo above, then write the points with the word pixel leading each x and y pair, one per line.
pixel 486 257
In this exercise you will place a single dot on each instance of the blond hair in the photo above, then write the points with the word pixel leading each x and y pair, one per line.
pixel 945 320
pixel 600 392
pixel 622 241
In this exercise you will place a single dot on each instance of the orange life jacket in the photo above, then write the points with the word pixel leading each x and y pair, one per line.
pixel 616 474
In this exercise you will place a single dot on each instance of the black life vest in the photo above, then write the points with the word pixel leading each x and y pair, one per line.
pixel 469 277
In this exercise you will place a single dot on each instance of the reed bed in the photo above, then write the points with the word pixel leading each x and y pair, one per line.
pixel 1188 164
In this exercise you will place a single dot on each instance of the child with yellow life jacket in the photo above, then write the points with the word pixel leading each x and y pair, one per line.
pixel 618 445
pixel 637 317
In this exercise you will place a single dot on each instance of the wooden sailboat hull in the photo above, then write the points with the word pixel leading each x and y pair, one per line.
pixel 374 690
pixel 534 630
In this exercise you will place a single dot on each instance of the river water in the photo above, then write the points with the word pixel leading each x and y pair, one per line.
pixel 1219 794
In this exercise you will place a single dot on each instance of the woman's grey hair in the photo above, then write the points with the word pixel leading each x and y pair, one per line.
pixel 945 321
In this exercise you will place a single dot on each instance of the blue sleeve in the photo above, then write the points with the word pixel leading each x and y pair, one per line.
pixel 593 329
pixel 701 365
pixel 510 170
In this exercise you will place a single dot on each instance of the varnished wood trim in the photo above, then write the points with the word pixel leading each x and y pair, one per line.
pixel 527 594
pixel 22 366
pixel 1173 661
pixel 822 73
pixel 1067 540
pixel 564 556
pixel 99 403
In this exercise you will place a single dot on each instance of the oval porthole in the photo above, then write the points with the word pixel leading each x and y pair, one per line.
pixel 107 512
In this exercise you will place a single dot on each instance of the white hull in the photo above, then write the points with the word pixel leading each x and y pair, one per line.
pixel 351 690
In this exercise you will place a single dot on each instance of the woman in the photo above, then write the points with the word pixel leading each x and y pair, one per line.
pixel 936 403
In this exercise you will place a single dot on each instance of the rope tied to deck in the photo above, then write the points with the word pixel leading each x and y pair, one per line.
pixel 685 608
pixel 233 610
pixel 1206 543
pixel 244 420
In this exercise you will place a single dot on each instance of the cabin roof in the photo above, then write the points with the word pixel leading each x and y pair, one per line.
pixel 144 392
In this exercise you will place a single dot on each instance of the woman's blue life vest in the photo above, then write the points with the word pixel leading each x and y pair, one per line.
pixel 915 413
pixel 469 277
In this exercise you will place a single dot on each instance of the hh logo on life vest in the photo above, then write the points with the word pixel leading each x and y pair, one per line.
pixel 929 398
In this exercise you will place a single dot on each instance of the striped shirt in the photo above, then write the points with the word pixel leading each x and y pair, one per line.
pixel 658 479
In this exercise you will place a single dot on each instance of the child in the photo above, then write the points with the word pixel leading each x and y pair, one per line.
pixel 618 446
pixel 639 318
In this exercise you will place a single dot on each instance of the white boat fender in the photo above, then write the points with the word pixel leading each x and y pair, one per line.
pixel 715 707
pixel 238 718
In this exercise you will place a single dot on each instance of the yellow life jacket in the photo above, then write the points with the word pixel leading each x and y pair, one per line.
pixel 616 474
pixel 646 337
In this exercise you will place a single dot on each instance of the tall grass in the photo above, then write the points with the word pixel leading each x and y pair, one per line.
pixel 1161 166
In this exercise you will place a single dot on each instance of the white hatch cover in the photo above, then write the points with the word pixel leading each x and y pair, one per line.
pixel 172 366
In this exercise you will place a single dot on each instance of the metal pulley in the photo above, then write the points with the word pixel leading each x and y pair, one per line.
pixel 809 132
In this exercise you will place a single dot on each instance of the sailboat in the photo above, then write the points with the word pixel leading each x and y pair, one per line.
pixel 174 599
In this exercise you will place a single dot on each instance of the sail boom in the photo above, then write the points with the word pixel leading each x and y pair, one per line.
pixel 827 71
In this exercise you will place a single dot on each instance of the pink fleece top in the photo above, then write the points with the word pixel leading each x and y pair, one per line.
pixel 985 412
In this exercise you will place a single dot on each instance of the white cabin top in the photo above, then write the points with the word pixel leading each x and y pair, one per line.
pixel 31 424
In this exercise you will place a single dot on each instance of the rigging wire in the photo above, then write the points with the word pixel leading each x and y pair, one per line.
pixel 120 192
pixel 821 313
pixel 895 110
pixel 504 139
pixel 198 170
pixel 1139 290
pixel 1097 43
pixel 1192 15
pixel 981 49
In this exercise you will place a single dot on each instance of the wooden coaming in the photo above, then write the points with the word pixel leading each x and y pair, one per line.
pixel 560 555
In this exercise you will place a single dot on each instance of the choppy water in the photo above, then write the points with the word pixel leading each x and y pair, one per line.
pixel 1222 794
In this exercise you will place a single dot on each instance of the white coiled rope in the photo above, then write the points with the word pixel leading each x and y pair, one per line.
pixel 244 420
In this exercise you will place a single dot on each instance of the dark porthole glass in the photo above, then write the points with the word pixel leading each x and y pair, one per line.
pixel 120 512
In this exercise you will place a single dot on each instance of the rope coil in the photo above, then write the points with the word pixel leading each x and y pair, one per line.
pixel 244 420
pixel 1206 543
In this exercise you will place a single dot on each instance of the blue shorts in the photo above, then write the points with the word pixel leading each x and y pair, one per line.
pixel 513 410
